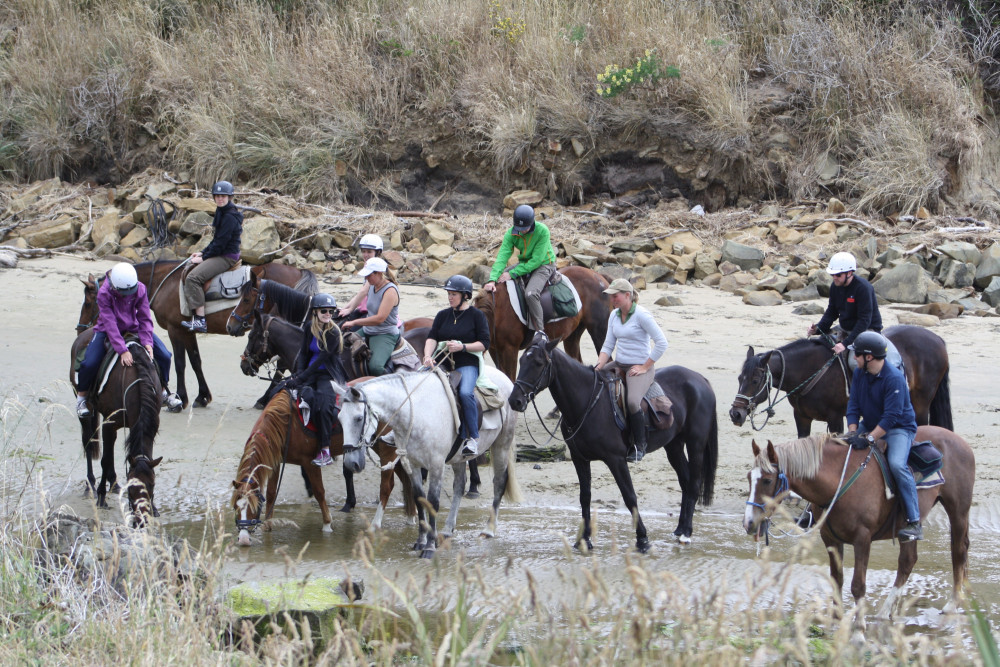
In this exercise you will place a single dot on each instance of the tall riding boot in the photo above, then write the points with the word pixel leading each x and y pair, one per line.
pixel 637 424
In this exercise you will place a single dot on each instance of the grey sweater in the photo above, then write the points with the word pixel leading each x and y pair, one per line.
pixel 633 336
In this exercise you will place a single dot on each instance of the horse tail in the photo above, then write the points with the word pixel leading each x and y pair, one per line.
pixel 941 405
pixel 512 492
pixel 145 427
pixel 710 462
pixel 307 282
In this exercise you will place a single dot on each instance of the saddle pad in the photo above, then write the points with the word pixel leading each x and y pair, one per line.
pixel 516 299
pixel 934 479
pixel 110 359
pixel 218 289
pixel 404 357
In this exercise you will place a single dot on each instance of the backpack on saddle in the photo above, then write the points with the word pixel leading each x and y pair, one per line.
pixel 403 357
pixel 559 299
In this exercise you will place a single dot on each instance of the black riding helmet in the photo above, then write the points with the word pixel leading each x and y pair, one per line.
pixel 459 283
pixel 524 219
pixel 870 342
pixel 322 301
pixel 223 188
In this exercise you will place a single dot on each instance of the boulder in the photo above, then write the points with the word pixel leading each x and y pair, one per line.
pixel 195 204
pixel 433 234
pixel 341 239
pixel 767 297
pixel 905 283
pixel 788 236
pixel 52 233
pixel 518 197
pixel 260 240
pixel 615 271
pixel 633 245
pixel 439 251
pixel 991 294
pixel 743 256
pixel 835 206
pixel 774 282
pixel 974 306
pixel 937 294
pixel 688 241
pixel 135 237
pixel 961 251
pixel 918 319
pixel 584 260
pixel 809 308
pixel 827 228
pixel 704 265
pixel 820 241
pixel 8 259
pixel 105 225
pixel 735 281
pixel 942 311
pixel 394 258
pixel 988 267
pixel 196 224
pixel 669 301
pixel 463 262
pixel 656 272
pixel 958 274
pixel 807 293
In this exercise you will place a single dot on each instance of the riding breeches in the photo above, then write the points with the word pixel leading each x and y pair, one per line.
pixel 467 401
pixel 533 295
pixel 636 386
pixel 381 346
pixel 898 442
pixel 194 284
pixel 96 351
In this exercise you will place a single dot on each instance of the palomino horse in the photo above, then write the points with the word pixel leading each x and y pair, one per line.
pixel 508 335
pixel 825 471
pixel 163 283
pixel 815 382
pixel 278 439
pixel 129 399
pixel 589 427
pixel 419 408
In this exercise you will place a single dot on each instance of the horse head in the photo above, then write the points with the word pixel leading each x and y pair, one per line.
pixel 258 349
pixel 247 502
pixel 755 383
pixel 535 372
pixel 141 480
pixel 768 487
pixel 241 318
pixel 88 310
pixel 360 425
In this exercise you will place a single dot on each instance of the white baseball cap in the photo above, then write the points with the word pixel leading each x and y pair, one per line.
pixel 372 265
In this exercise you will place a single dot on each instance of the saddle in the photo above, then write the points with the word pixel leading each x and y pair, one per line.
pixel 657 407
pixel 107 363
pixel 487 403
pixel 403 357
pixel 925 461
pixel 559 299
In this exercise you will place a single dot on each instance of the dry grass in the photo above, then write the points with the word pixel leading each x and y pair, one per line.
pixel 280 93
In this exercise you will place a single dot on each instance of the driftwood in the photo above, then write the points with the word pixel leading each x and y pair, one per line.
pixel 419 214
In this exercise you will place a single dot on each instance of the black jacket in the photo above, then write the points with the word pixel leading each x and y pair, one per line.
pixel 228 226
pixel 856 307
pixel 327 365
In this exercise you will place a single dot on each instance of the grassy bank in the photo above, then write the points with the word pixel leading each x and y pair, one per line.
pixel 293 94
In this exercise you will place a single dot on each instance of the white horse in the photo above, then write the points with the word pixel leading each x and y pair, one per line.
pixel 418 407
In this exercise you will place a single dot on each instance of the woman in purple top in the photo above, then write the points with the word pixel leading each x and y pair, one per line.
pixel 123 308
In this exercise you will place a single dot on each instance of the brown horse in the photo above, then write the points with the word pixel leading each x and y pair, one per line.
pixel 816 386
pixel 277 439
pixel 508 335
pixel 163 283
pixel 129 399
pixel 825 471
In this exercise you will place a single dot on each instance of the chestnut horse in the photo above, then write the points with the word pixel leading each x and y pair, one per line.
pixel 824 470
pixel 163 283
pixel 508 335
pixel 277 439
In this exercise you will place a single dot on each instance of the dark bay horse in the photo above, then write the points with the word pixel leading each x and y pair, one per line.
pixel 278 439
pixel 588 425
pixel 817 389
pixel 859 512
pixel 508 335
pixel 163 284
pixel 130 399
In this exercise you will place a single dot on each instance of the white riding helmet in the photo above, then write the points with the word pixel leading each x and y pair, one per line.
pixel 123 278
pixel 841 262
pixel 371 242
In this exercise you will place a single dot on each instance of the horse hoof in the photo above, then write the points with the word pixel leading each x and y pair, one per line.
pixel 115 488
pixel 487 534
pixel 177 408
pixel 419 546
pixel 584 546
pixel 202 402
pixel 427 553
pixel 346 508
pixel 642 546
pixel 327 527
pixel 259 405
pixel 684 539
pixel 472 494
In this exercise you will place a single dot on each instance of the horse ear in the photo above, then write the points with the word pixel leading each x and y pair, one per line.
pixel 355 394
pixel 156 462
pixel 749 351
pixel 236 484
pixel 551 345
pixel 756 448
pixel 772 455
pixel 338 388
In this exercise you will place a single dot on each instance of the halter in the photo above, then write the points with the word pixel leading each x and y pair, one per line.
pixel 251 524
pixel 246 321
pixel 255 361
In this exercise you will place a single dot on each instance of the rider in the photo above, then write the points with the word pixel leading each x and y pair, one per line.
pixel 381 330
pixel 218 256
pixel 852 300
pixel 631 328
pixel 880 399
pixel 122 308
pixel 317 363
pixel 467 333
pixel 536 260
pixel 370 246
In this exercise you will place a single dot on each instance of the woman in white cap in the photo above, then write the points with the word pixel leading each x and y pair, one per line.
pixel 381 326
pixel 369 246
pixel 631 328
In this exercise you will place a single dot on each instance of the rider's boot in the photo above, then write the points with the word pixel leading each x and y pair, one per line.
pixel 913 531
pixel 196 325
pixel 805 520
pixel 637 424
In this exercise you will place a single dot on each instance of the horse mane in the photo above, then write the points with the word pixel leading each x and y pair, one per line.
pixel 307 283
pixel 292 304
pixel 484 302
pixel 148 424
pixel 800 458
pixel 263 447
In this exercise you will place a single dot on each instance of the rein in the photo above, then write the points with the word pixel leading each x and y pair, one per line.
pixel 162 282
pixel 769 384
pixel 549 376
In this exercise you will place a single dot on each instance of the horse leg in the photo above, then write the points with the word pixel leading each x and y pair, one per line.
pixel 306 483
pixel 270 497
pixel 204 395
pixel 958 518
pixel 433 497
pixel 409 506
pixel 386 482
pixel 583 476
pixel 419 500
pixel 689 496
pixel 859 585
pixel 91 445
pixel 352 500
pixel 458 485
pixel 179 341
pixel 835 552
pixel 803 424
pixel 108 475
pixel 501 461
pixel 619 469
pixel 319 492
pixel 508 361
pixel 907 559
pixel 474 480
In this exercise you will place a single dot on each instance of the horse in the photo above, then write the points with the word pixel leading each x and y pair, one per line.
pixel 508 335
pixel 277 439
pixel 588 425
pixel 417 405
pixel 130 398
pixel 163 284
pixel 816 385
pixel 857 510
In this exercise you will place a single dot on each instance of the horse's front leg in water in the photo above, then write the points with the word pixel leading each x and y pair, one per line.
pixel 352 500
pixel 456 498
pixel 433 498
pixel 416 480
pixel 619 468
pixel 583 542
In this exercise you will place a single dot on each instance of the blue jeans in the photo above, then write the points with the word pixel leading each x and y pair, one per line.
pixel 899 442
pixel 96 351
pixel 467 399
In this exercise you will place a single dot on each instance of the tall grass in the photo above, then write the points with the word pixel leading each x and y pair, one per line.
pixel 280 92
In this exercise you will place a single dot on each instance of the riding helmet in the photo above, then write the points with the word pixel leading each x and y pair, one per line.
pixel 459 283
pixel 371 242
pixel 322 300
pixel 870 342
pixel 123 278
pixel 223 188
pixel 841 263
pixel 524 219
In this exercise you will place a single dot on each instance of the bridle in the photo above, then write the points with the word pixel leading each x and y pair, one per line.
pixel 132 462
pixel 81 327
pixel 246 321
pixel 251 524
pixel 255 359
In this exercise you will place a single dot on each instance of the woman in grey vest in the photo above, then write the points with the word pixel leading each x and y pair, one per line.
pixel 381 327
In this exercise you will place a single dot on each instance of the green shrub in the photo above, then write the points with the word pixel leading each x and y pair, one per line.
pixel 647 69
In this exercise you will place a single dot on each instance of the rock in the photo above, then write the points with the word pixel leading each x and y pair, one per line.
pixel 259 241
pixel 439 251
pixel 615 271
pixel 773 282
pixel 52 233
pixel 905 283
pixel 961 251
pixel 825 229
pixel 822 280
pixel 433 234
pixel 835 206
pixel 958 274
pixel 771 211
pixel 788 236
pixel 394 258
pixel 157 190
pixel 988 267
pixel 578 147
pixel 8 259
pixel 743 256
pixel 463 262
pixel 943 311
pixel 105 225
pixel 689 241
pixel 518 197
pixel 195 204
pixel 991 294
pixel 669 301
pixel 810 308
pixel 937 294
pixel 633 245
pixel 680 276
pixel 135 237
pixel 584 260
pixel 396 240
pixel 662 259
pixel 820 241
pixel 130 255
pixel 704 265
pixel 656 272
pixel 727 268
pixel 316 255
pixel 918 319
pixel 765 297
pixel 923 214
pixel 735 281
pixel 196 224
pixel 973 305
pixel 341 239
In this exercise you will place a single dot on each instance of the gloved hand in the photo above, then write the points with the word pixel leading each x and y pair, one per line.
pixel 858 440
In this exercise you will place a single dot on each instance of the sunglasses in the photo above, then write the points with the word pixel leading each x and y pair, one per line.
pixel 325 311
